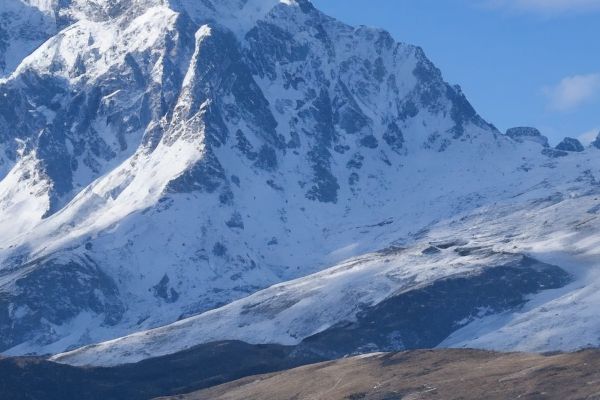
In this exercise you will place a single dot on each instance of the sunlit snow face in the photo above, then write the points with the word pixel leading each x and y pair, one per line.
pixel 238 15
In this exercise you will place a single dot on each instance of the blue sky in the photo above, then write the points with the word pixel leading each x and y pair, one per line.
pixel 520 62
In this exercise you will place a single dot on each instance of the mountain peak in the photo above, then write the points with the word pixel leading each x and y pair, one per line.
pixel 177 155
pixel 237 15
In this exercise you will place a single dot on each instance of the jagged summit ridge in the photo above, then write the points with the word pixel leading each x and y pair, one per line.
pixel 85 54
pixel 26 24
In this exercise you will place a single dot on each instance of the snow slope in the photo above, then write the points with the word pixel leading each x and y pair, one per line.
pixel 558 229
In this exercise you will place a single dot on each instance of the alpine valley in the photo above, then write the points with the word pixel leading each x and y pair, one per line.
pixel 175 173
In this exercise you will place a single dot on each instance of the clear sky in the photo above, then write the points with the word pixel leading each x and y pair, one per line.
pixel 520 62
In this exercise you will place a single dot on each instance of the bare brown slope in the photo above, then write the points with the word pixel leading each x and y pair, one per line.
pixel 437 374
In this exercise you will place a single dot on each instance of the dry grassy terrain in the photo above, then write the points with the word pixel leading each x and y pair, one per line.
pixel 438 374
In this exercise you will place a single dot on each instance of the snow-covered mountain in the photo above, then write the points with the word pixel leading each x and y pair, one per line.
pixel 165 159
pixel 513 273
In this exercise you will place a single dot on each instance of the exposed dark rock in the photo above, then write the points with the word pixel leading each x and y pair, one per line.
pixel 164 291
pixel 423 317
pixel 467 251
pixel 244 145
pixel 447 244
pixel 356 162
pixel 236 221
pixel 267 158
pixel 325 186
pixel 596 142
pixel 553 153
pixel 369 141
pixel 347 113
pixel 570 144
pixel 207 175
pixel 219 249
pixel 394 137
pixel 52 292
pixel 431 250
pixel 270 45
pixel 462 112
pixel 522 134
